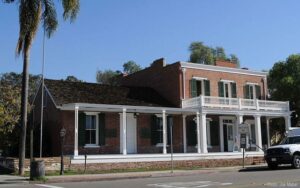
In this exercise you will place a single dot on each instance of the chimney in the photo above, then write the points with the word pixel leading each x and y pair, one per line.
pixel 224 63
pixel 159 63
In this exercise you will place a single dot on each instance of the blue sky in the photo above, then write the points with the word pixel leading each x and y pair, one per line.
pixel 108 33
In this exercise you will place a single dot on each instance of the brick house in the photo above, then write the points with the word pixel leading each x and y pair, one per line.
pixel 197 108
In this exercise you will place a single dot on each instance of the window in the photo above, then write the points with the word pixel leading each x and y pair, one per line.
pixel 252 91
pixel 199 86
pixel 157 130
pixel 227 89
pixel 91 130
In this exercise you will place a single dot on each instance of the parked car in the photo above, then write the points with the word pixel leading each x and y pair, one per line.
pixel 287 152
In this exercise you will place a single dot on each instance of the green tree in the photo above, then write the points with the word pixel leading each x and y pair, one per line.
pixel 284 83
pixel 10 94
pixel 220 53
pixel 31 14
pixel 201 54
pixel 108 77
pixel 234 59
pixel 72 79
pixel 131 67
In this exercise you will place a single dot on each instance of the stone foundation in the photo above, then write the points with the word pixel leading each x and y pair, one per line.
pixel 53 163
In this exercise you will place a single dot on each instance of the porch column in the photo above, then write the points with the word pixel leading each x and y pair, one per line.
pixel 221 132
pixel 76 132
pixel 287 120
pixel 164 132
pixel 198 133
pixel 268 131
pixel 124 129
pixel 203 133
pixel 239 120
pixel 258 132
pixel 184 132
pixel 183 81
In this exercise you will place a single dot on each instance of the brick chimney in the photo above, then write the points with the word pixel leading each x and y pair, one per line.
pixel 159 63
pixel 224 63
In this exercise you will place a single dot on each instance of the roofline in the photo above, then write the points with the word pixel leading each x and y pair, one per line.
pixel 47 90
pixel 222 69
pixel 72 106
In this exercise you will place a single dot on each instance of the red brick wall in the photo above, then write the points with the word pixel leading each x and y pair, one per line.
pixel 215 77
pixel 165 79
pixel 112 144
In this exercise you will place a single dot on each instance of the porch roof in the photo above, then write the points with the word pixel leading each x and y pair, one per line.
pixel 129 108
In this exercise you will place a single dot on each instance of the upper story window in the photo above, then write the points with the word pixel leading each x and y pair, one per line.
pixel 252 91
pixel 199 86
pixel 227 89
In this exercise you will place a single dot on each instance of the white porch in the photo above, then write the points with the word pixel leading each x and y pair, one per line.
pixel 201 111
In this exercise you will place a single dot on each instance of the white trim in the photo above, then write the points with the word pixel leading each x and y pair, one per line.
pixel 222 69
pixel 184 133
pixel 199 78
pixel 198 133
pixel 227 81
pixel 164 119
pixel 91 113
pixel 97 129
pixel 76 132
pixel 252 83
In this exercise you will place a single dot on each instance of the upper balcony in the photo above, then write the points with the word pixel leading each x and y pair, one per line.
pixel 235 103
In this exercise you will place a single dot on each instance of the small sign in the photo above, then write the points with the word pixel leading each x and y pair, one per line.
pixel 243 141
pixel 244 128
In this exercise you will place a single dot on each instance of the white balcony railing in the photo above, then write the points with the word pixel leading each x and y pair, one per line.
pixel 235 103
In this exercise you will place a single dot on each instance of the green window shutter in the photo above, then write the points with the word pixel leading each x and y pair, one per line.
pixel 154 128
pixel 191 133
pixel 193 86
pixel 258 91
pixel 101 129
pixel 246 92
pixel 207 87
pixel 233 90
pixel 221 89
pixel 81 129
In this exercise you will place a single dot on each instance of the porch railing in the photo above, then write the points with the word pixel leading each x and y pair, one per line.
pixel 235 103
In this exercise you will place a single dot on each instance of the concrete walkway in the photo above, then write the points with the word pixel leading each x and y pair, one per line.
pixel 11 179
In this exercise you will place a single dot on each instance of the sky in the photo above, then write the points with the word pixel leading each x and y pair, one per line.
pixel 108 33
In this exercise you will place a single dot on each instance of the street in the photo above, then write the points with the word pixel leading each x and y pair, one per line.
pixel 256 177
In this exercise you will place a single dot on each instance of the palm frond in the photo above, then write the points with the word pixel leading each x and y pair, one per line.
pixel 29 18
pixel 71 8
pixel 49 17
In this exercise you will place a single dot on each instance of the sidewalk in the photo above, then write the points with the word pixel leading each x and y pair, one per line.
pixel 134 175
pixel 11 179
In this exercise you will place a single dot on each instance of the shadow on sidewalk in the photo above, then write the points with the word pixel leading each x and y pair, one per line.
pixel 5 171
pixel 263 168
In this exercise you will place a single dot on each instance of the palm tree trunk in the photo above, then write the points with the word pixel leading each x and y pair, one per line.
pixel 24 102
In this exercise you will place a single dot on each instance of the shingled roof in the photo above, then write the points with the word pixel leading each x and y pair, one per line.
pixel 65 92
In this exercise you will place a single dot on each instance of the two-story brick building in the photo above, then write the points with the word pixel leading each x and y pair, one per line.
pixel 201 105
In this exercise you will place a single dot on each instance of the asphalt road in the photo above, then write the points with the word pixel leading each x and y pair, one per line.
pixel 258 177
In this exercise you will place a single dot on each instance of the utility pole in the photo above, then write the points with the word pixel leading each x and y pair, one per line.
pixel 42 97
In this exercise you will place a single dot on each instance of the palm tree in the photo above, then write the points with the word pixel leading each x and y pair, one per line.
pixel 31 14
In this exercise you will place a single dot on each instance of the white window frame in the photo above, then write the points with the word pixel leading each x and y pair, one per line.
pixel 229 87
pixel 200 79
pixel 253 87
pixel 162 135
pixel 97 129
